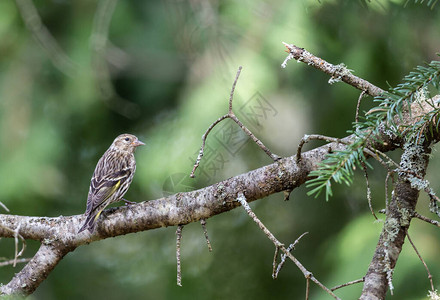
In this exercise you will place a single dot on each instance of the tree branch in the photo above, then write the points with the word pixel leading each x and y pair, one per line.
pixel 36 270
pixel 400 211
pixel 59 235
pixel 337 72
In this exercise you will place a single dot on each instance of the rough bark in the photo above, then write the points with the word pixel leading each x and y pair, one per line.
pixel 413 165
pixel 58 235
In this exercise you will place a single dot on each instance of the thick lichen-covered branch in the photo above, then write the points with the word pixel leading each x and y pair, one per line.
pixel 399 213
pixel 59 234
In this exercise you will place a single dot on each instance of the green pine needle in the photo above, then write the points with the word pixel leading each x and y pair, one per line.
pixel 339 166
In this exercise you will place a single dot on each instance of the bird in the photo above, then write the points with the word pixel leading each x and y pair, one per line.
pixel 112 178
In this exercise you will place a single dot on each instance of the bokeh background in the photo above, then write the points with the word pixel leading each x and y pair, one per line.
pixel 165 74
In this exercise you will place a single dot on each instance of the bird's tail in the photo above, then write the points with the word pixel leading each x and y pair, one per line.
pixel 91 219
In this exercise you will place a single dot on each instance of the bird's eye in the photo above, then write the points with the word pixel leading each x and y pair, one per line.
pixel 127 139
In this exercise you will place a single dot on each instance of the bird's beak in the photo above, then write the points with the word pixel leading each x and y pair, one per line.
pixel 138 143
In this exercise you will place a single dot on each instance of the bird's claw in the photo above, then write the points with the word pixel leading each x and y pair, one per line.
pixel 128 202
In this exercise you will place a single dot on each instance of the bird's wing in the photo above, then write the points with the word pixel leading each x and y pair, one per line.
pixel 103 187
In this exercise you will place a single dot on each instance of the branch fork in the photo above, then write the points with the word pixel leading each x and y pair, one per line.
pixel 232 116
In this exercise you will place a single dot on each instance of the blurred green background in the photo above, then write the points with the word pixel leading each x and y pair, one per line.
pixel 165 75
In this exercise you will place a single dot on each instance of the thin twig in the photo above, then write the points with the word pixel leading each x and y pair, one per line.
pixel 205 232
pixel 308 137
pixel 242 199
pixel 274 263
pixel 421 259
pixel 16 244
pixel 202 148
pixel 232 116
pixel 427 189
pixel 431 195
pixel 178 241
pixel 347 284
pixel 286 194
pixel 14 261
pixel 17 236
pixel 389 175
pixel 356 118
pixel 336 71
pixel 4 206
pixel 382 211
pixel 374 155
pixel 231 96
pixel 307 288
pixel 390 161
pixel 426 219
pixel 260 144
pixel 283 256
pixel 364 167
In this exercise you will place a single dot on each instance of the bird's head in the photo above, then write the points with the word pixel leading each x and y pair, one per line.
pixel 126 142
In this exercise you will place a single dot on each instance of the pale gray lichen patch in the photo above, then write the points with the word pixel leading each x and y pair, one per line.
pixel 433 207
pixel 405 216
pixel 392 227
pixel 340 71
pixel 412 160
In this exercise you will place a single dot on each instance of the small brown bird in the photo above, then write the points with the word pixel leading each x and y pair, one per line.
pixel 112 178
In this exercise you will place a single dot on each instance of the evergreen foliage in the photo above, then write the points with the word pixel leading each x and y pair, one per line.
pixel 417 86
